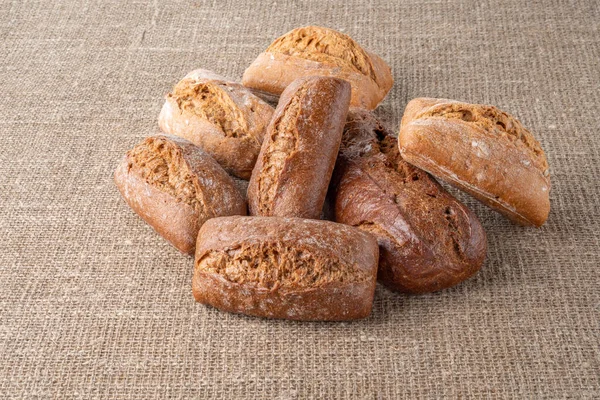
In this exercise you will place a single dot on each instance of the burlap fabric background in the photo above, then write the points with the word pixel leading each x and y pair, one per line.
pixel 93 304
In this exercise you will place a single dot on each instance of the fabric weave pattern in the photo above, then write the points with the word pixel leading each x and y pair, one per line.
pixel 94 304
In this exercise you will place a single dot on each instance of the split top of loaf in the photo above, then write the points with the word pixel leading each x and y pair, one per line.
pixel 253 265
pixel 222 117
pixel 212 98
pixel 284 253
pixel 490 120
pixel 161 163
pixel 482 150
pixel 314 50
pixel 326 46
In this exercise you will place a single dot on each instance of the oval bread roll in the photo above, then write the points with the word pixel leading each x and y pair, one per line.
pixel 289 268
pixel 427 239
pixel 224 118
pixel 481 150
pixel 297 158
pixel 313 50
pixel 175 187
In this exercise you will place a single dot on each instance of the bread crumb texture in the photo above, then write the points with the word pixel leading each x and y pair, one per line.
pixel 273 265
pixel 380 233
pixel 160 163
pixel 366 137
pixel 361 136
pixel 493 122
pixel 210 100
pixel 282 143
pixel 326 46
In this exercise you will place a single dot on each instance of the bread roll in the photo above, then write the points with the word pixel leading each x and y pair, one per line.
pixel 222 117
pixel 289 268
pixel 481 150
pixel 313 50
pixel 175 187
pixel 427 239
pixel 295 164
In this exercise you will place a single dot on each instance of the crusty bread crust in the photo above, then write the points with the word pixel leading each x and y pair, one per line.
pixel 297 158
pixel 427 239
pixel 222 117
pixel 191 188
pixel 288 268
pixel 275 69
pixel 481 150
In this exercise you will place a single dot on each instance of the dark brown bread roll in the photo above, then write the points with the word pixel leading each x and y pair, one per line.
pixel 289 268
pixel 224 118
pixel 481 150
pixel 295 163
pixel 427 239
pixel 175 187
pixel 313 50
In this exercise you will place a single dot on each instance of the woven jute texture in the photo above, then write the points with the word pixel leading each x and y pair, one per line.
pixel 94 304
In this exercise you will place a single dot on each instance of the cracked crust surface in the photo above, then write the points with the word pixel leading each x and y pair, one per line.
pixel 209 100
pixel 275 264
pixel 296 161
pixel 312 50
pixel 289 268
pixel 494 123
pixel 482 150
pixel 161 164
pixel 282 142
pixel 326 46
pixel 222 117
pixel 428 240
pixel 175 187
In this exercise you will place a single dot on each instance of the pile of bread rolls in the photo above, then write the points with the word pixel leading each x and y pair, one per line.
pixel 388 218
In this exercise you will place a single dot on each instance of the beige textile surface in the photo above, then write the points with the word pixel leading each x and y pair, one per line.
pixel 94 304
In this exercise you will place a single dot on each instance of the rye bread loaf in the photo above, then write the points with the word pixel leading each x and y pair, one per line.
pixel 481 150
pixel 289 268
pixel 427 239
pixel 222 117
pixel 175 187
pixel 313 50
pixel 297 158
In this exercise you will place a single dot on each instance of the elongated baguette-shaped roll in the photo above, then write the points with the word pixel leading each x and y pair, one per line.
pixel 289 268
pixel 313 50
pixel 481 150
pixel 175 187
pixel 297 158
pixel 222 117
pixel 427 239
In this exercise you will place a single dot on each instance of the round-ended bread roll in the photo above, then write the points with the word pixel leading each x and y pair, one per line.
pixel 222 117
pixel 295 164
pixel 290 268
pixel 313 50
pixel 175 187
pixel 481 150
